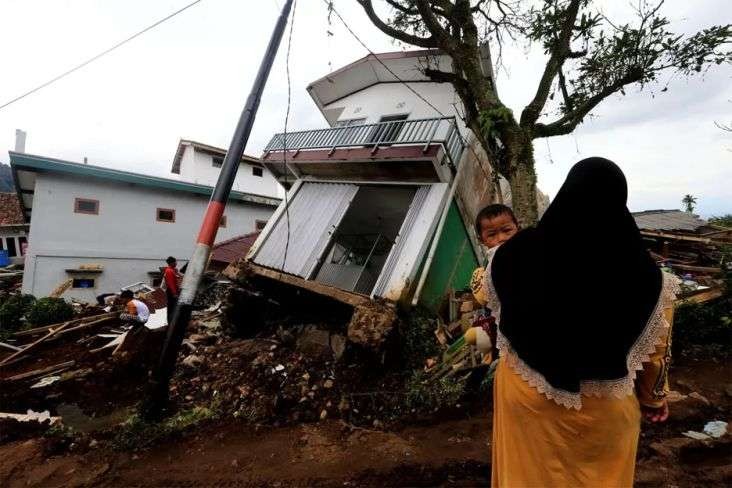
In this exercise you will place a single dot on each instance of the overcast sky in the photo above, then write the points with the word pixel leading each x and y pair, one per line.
pixel 189 78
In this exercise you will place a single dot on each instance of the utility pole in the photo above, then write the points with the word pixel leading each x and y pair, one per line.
pixel 156 397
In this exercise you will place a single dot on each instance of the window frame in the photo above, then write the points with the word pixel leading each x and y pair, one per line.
pixel 157 215
pixel 79 200
pixel 260 168
pixel 214 159
pixel 75 280
pixel 257 223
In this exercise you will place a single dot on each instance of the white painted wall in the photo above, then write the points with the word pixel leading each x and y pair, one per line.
pixel 383 99
pixel 197 167
pixel 125 237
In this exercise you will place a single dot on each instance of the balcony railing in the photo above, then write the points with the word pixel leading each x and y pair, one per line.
pixel 393 133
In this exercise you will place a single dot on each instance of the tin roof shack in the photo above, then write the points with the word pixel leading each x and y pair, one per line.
pixel 368 194
pixel 13 229
pixel 690 246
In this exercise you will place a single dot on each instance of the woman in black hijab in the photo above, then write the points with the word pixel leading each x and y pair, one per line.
pixel 582 309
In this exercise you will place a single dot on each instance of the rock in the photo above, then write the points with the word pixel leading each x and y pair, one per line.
pixel 371 325
pixel 328 384
pixel 338 345
pixel 698 396
pixel 674 396
pixel 234 463
pixel 94 443
pixel 192 361
pixel 323 414
pixel 377 424
pixel 344 405
pixel 314 342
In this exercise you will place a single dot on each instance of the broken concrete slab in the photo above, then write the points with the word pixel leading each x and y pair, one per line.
pixel 371 325
pixel 314 342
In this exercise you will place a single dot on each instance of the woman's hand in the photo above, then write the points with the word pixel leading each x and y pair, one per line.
pixel 656 415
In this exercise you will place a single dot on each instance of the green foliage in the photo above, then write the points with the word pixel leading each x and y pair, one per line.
pixel 48 310
pixel 723 220
pixel 135 433
pixel 708 325
pixel 492 120
pixel 12 311
pixel 689 201
pixel 422 395
pixel 418 339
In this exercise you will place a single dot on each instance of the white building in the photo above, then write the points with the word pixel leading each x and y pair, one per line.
pixel 391 179
pixel 106 228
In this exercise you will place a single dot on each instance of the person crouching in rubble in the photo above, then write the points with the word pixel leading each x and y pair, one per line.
pixel 584 348
pixel 136 312
pixel 494 225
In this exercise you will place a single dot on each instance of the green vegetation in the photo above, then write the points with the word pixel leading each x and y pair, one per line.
pixel 11 313
pixel 723 220
pixel 135 433
pixel 47 311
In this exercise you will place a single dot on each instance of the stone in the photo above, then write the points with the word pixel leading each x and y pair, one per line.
pixel 94 443
pixel 371 325
pixel 338 345
pixel 314 342
pixel 328 384
pixel 192 361
pixel 323 414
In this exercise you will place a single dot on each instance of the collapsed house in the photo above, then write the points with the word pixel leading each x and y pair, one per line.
pixel 95 230
pixel 13 229
pixel 381 204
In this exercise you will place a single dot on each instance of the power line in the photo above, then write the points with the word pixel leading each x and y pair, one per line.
pixel 94 58
pixel 419 95
pixel 287 118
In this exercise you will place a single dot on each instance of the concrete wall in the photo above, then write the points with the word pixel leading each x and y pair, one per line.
pixel 125 237
pixel 197 167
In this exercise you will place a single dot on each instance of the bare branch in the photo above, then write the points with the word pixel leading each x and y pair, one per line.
pixel 559 54
pixel 426 42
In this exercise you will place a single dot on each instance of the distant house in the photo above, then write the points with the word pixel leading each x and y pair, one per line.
pixel 106 228
pixel 388 180
pixel 668 220
pixel 226 252
pixel 13 229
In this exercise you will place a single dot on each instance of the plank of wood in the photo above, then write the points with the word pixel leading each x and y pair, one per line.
pixel 87 325
pixel 697 269
pixel 703 296
pixel 46 328
pixel 42 371
pixel 35 344
pixel 349 298
pixel 10 346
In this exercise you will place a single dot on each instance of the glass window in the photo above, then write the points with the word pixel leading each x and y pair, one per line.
pixel 257 171
pixel 83 283
pixel 23 243
pixel 86 206
pixel 166 215
pixel 12 250
pixel 217 162
pixel 259 224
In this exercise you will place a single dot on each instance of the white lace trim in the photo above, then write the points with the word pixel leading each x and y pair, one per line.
pixel 644 346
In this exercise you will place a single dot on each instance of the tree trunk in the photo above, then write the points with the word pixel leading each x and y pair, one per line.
pixel 522 176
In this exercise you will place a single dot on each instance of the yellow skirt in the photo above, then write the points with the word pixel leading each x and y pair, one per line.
pixel 537 443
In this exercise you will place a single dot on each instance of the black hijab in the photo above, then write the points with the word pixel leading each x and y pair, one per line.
pixel 577 291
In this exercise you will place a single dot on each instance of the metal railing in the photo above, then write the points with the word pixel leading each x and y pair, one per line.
pixel 441 130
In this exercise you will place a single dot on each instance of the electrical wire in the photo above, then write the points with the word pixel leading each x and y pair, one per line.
pixel 287 118
pixel 101 54
pixel 410 88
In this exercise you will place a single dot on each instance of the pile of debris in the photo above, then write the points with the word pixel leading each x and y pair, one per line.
pixel 11 280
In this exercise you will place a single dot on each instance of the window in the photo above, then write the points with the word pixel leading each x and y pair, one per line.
pixel 217 162
pixel 257 171
pixel 222 222
pixel 86 206
pixel 166 215
pixel 259 224
pixel 12 250
pixel 23 244
pixel 83 283
pixel 349 122
pixel 388 133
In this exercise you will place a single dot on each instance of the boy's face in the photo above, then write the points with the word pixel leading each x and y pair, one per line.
pixel 497 230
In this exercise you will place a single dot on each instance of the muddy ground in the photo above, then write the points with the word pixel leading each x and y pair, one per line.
pixel 228 452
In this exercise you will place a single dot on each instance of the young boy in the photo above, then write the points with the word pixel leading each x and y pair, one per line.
pixel 136 312
pixel 495 224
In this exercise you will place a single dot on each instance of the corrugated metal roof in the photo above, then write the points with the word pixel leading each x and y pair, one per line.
pixel 232 249
pixel 668 220
pixel 313 215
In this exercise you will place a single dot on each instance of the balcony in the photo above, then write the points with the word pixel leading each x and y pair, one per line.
pixel 426 150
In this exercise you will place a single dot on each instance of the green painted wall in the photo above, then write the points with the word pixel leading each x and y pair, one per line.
pixel 453 264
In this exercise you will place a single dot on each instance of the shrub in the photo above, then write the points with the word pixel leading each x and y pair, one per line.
pixel 47 311
pixel 12 311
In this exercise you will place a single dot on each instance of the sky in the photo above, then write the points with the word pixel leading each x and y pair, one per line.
pixel 189 78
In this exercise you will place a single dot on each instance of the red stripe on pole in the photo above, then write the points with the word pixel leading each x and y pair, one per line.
pixel 210 224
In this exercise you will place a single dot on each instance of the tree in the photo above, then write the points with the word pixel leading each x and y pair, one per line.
pixel 589 58
pixel 688 202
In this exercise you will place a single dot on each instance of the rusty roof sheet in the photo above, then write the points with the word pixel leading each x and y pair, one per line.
pixel 232 249
pixel 10 213
pixel 668 220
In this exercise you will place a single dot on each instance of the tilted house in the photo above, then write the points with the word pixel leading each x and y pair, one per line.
pixel 369 194
pixel 104 229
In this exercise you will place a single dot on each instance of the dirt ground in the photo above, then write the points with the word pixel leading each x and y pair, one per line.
pixel 332 453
